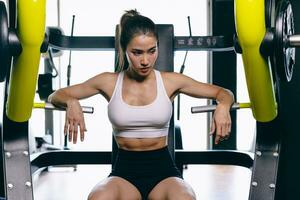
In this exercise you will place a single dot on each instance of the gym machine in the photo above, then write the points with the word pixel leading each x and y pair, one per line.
pixel 271 49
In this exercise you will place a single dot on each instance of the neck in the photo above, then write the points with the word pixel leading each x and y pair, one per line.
pixel 131 74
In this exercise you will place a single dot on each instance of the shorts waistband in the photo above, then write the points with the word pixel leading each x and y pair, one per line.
pixel 144 154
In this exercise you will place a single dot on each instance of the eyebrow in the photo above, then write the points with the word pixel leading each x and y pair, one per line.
pixel 154 47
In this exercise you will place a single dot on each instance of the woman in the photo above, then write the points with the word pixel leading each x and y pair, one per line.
pixel 140 107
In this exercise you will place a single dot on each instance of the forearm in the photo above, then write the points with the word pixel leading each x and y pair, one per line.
pixel 74 122
pixel 225 98
pixel 61 98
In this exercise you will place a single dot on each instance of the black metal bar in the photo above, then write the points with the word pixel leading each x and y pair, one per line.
pixel 18 179
pixel 62 157
pixel 225 157
pixel 203 43
pixel 48 68
pixel 107 43
pixel 82 43
pixel 2 171
pixel 165 62
pixel 266 161
pixel 67 157
pixel 223 64
pixel 287 186
pixel 12 5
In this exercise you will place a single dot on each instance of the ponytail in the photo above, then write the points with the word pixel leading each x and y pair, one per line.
pixel 122 62
pixel 131 25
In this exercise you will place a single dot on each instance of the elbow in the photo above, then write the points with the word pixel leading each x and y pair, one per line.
pixel 230 93
pixel 52 98
pixel 225 96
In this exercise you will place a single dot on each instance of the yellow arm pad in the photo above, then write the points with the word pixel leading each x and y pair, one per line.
pixel 31 30
pixel 250 28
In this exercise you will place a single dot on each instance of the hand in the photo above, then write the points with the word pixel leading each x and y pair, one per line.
pixel 221 123
pixel 74 120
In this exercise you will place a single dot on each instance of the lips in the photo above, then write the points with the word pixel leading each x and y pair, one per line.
pixel 144 70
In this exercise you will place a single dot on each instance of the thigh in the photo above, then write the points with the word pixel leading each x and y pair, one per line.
pixel 172 188
pixel 114 188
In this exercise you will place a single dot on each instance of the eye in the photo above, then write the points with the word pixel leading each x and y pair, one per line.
pixel 136 53
pixel 152 51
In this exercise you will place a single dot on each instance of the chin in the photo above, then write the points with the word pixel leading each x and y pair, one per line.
pixel 144 72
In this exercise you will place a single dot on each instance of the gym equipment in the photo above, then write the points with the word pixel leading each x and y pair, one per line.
pixel 19 99
pixel 285 41
pixel 15 133
pixel 182 157
pixel 210 108
pixel 45 85
pixel 50 106
pixel 25 68
pixel 280 42
pixel 50 30
pixel 9 43
pixel 164 63
pixel 4 47
pixel 182 69
pixel 250 16
pixel 260 45
pixel 263 105
pixel 70 55
pixel 257 45
pixel 277 53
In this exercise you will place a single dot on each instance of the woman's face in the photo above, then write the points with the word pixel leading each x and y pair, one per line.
pixel 141 54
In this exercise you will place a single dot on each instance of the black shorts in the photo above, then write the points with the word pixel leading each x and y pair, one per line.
pixel 145 169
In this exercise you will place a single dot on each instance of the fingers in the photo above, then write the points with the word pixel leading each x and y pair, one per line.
pixel 71 129
pixel 228 131
pixel 222 130
pixel 212 128
pixel 219 134
pixel 66 126
pixel 75 133
pixel 82 130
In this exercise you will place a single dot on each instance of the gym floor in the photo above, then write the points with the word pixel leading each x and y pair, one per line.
pixel 210 182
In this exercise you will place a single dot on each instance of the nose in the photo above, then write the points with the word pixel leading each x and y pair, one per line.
pixel 145 60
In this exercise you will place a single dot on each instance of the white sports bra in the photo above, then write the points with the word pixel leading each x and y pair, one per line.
pixel 147 121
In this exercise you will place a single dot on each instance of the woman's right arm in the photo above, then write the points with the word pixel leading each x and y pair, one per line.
pixel 69 98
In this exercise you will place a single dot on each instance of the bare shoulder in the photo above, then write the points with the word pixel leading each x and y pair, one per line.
pixel 103 78
pixel 172 76
pixel 107 75
pixel 169 75
pixel 173 82
pixel 104 83
pixel 177 81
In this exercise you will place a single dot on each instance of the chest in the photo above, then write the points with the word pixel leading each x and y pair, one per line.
pixel 139 94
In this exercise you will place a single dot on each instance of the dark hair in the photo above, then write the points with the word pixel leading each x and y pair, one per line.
pixel 131 25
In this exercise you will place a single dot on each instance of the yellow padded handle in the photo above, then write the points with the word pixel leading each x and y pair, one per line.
pixel 250 28
pixel 31 30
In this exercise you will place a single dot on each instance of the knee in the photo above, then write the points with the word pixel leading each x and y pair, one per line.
pixel 101 195
pixel 189 196
pixel 186 195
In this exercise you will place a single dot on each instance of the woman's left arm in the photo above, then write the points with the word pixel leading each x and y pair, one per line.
pixel 221 121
